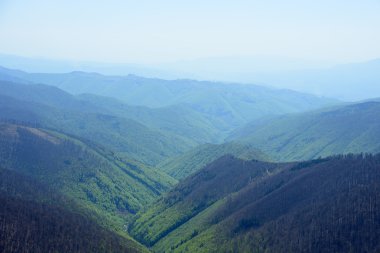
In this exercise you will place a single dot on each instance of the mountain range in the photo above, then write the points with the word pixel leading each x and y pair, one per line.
pixel 232 103
pixel 153 119
pixel 346 81
pixel 97 163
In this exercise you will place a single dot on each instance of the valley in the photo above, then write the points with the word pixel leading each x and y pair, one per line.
pixel 133 164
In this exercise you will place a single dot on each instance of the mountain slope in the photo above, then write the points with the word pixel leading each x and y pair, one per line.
pixel 95 178
pixel 33 218
pixel 195 194
pixel 352 128
pixel 197 158
pixel 329 205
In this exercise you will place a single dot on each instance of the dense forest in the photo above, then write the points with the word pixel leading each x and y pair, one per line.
pixel 94 163
pixel 325 205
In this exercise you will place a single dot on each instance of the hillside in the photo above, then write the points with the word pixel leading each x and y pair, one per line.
pixel 195 159
pixel 33 218
pixel 352 128
pixel 326 205
pixel 95 178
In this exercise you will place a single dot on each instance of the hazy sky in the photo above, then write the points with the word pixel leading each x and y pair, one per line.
pixel 151 31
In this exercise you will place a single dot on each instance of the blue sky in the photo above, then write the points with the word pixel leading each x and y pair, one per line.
pixel 148 31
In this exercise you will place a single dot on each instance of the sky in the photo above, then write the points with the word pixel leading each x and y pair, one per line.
pixel 159 31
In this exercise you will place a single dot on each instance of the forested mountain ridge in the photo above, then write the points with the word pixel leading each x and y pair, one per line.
pixel 328 205
pixel 352 128
pixel 93 177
